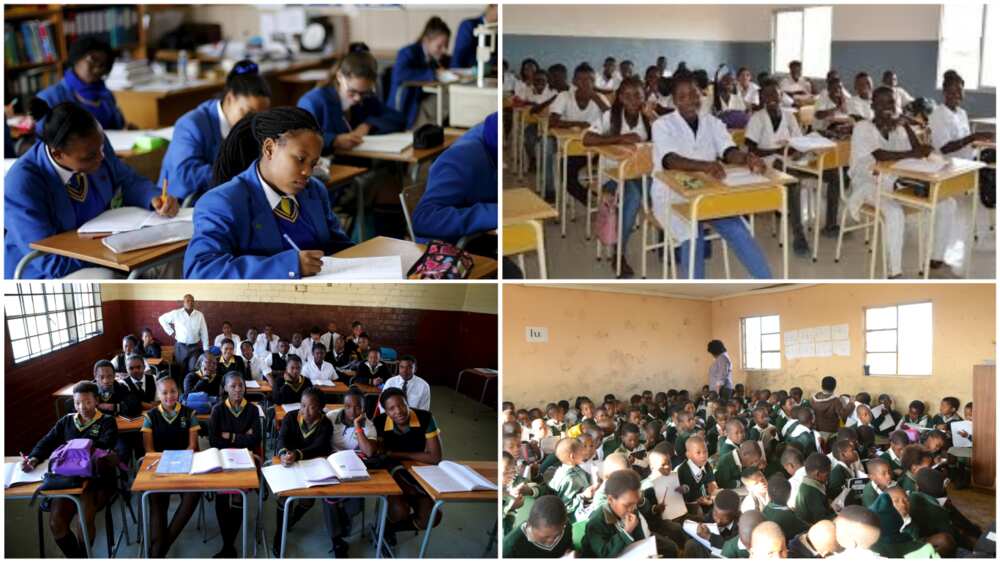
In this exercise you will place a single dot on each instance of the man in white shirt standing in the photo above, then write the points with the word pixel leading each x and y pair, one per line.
pixel 418 392
pixel 188 328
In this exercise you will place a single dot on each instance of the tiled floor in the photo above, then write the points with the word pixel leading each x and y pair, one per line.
pixel 468 432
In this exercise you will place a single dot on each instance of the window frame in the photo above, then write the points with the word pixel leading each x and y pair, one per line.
pixel 68 294
pixel 938 86
pixel 865 330
pixel 743 346
pixel 802 40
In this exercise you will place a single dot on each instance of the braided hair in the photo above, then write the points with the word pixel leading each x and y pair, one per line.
pixel 62 123
pixel 243 144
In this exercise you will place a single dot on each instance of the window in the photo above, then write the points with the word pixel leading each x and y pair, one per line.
pixel 965 44
pixel 761 343
pixel 899 339
pixel 803 35
pixel 45 317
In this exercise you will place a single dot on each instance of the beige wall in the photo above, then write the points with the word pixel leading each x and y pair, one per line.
pixel 599 343
pixel 964 335
pixel 477 297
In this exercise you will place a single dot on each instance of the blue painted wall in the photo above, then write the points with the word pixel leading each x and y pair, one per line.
pixel 914 61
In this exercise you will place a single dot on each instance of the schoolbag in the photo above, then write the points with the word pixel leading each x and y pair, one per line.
pixel 606 223
pixel 200 402
pixel 442 261
pixel 988 180
pixel 75 457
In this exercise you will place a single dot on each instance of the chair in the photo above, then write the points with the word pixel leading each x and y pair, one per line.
pixel 806 115
pixel 638 166
pixel 835 159
pixel 521 238
pixel 574 147
pixel 409 197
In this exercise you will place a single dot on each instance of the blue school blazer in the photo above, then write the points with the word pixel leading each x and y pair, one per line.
pixel 236 234
pixel 324 104
pixel 411 65
pixel 61 92
pixel 187 165
pixel 461 196
pixel 37 206
pixel 464 53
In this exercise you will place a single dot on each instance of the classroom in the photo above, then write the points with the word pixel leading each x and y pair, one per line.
pixel 787 180
pixel 751 420
pixel 245 368
pixel 351 142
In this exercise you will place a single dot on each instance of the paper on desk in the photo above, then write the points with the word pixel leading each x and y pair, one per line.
pixel 289 408
pixel 742 176
pixel 381 267
pixel 448 76
pixel 887 423
pixel 920 165
pixel 393 142
pixel 811 142
pixel 646 548
pixel 124 219
pixel 149 237
pixel 125 140
pixel 252 384
pixel 665 489
pixel 956 439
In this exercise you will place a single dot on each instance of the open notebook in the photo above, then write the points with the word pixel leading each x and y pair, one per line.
pixel 450 476
pixel 691 528
pixel 126 219
pixel 13 475
pixel 380 267
pixel 131 240
pixel 392 142
pixel 646 548
pixel 204 462
pixel 342 466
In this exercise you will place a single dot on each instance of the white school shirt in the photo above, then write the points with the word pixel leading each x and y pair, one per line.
pixel 543 97
pixel 762 132
pixel 344 437
pixel 602 126
pixel 418 392
pixel 735 103
pixel 260 346
pixel 569 110
pixel 509 81
pixel 751 96
pixel 790 86
pixel 522 89
pixel 602 83
pixel 185 328
pixel 825 94
pixel 236 340
pixel 660 99
pixel 324 372
pixel 255 364
pixel 901 98
pixel 672 134
pixel 857 105
pixel 947 126
pixel 865 140
pixel 824 103
pixel 299 350
pixel 328 340
pixel 796 481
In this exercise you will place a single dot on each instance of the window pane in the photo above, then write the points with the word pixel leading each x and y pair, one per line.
pixel 916 331
pixel 15 328
pixel 989 44
pixel 880 318
pixel 770 324
pixel 787 39
pixel 20 349
pixel 961 28
pixel 771 360
pixel 770 342
pixel 751 342
pixel 818 25
pixel 881 363
pixel 884 340
pixel 12 305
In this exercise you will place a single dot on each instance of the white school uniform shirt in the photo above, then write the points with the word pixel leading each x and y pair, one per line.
pixel 857 105
pixel 602 83
pixel 418 392
pixel 947 126
pixel 185 328
pixel 522 89
pixel 735 103
pixel 761 131
pixel 260 346
pixel 660 99
pixel 323 372
pixel 751 96
pixel 569 110
pixel 236 340
pixel 256 364
pixel 796 482
pixel 672 134
pixel 328 340
pixel 825 94
pixel 542 97
pixel 865 140
pixel 299 350
pixel 602 126
pixel 509 81
pixel 901 98
pixel 824 103
pixel 790 86
pixel 344 437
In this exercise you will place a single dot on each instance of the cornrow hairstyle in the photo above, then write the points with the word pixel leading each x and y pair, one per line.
pixel 243 144
pixel 435 26
pixel 89 44
pixel 62 123
pixel 245 80
pixel 618 108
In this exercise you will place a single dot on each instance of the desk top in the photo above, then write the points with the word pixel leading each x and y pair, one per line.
pixel 482 372
pixel 28 490
pixel 148 481
pixel 615 151
pixel 381 483
pixel 280 413
pixel 409 253
pixel 522 204
pixel 712 186
pixel 91 250
pixel 486 468
pixel 984 120
pixel 567 133
pixel 341 173
pixel 956 167
pixel 410 155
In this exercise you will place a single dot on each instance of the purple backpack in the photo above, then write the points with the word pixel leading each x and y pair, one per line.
pixel 76 457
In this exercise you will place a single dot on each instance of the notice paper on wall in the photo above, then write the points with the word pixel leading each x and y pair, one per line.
pixel 818 341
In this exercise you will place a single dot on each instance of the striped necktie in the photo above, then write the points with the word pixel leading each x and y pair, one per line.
pixel 76 187
pixel 287 209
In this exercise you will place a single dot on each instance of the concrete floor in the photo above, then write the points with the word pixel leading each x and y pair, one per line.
pixel 574 257
pixel 464 532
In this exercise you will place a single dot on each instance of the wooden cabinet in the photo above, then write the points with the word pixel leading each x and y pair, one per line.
pixel 984 419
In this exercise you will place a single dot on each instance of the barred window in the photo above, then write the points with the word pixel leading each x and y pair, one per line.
pixel 45 317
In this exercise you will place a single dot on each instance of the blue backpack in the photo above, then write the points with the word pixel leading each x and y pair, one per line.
pixel 200 402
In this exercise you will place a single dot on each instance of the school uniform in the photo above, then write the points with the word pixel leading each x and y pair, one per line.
pixel 344 436
pixel 840 474
pixel 734 548
pixel 907 482
pixel 872 492
pixel 901 98
pixel 96 98
pixel 517 545
pixel 865 140
pixel 461 194
pixel 327 106
pixel 769 133
pixel 340 361
pixel 569 482
pixel 726 446
pixel 463 55
pixel 522 89
pixel 757 433
pixel 856 105
pixel 412 65
pixel 792 87
pixel 673 135
pixel 811 503
pixel 713 437
pixel 322 372
pixel 41 198
pixel 194 147
pixel 151 351
pixel 171 429
pixel 199 382
pixel 236 341
pixel 235 364
pixel 948 125
pixel 239 230
pixel 751 95
pixel 695 480
pixel 143 389
pixel 605 536
pixel 367 373
pixel 603 82
pixel 125 402
pixel 894 462
pixel 285 392
pixel 824 103
pixel 806 439
pixel 945 421
pixel 795 482
pixel 929 515
pixel 237 421
pixel 101 429
pixel 787 519
pixel 922 421
pixel 421 428
pixel 728 470
pixel 632 192
pixel 734 103
pixel 892 416
pixel 309 442
pixel 301 351
pixel 417 391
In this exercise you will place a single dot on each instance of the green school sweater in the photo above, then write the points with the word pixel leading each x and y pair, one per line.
pixel 811 503
pixel 696 487
pixel 806 441
pixel 839 476
pixel 732 549
pixel 893 463
pixel 568 483
pixel 869 494
pixel 940 420
pixel 605 536
pixel 712 438
pixel 727 471
pixel 680 443
pixel 907 482
pixel 790 523
pixel 928 515
pixel 517 545
pixel 725 446
pixel 755 432
pixel 610 445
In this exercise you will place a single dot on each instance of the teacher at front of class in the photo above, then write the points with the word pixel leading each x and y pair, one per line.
pixel 720 374
pixel 187 326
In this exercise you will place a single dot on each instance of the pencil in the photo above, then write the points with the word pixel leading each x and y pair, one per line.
pixel 163 194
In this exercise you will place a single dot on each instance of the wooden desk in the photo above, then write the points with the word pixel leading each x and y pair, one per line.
pixel 486 468
pixel 128 426
pixel 714 200
pixel 564 137
pixel 834 158
pixel 985 122
pixel 149 483
pixel 280 413
pixel 951 181
pixel 26 491
pixel 522 205
pixel 631 162
pixel 487 375
pixel 409 156
pixel 410 252
pixel 92 251
pixel 341 173
pixel 380 485
pixel 298 84
pixel 146 164
pixel 438 89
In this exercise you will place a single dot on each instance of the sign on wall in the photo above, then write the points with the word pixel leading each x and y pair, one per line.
pixel 536 334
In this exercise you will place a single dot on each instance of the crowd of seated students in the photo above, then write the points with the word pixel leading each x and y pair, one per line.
pixel 763 474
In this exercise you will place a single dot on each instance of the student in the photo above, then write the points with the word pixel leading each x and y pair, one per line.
pixel 571 483
pixel 267 341
pixel 685 140
pixel 316 368
pixel 461 195
pixel 747 89
pixel 608 80
pixel 617 524
pixel 726 96
pixel 227 333
pixel 729 467
pixel 947 413
pixel 802 435
pixel 545 534
pixel 739 546
pixel 886 415
pixel 169 426
pixel 830 410
pixel 886 139
pixel 416 389
pixel 339 357
pixel 314 337
pixel 89 60
pixel 305 434
pixel 900 97
pixel 898 440
pixel 141 382
pixel 933 513
pixel 625 69
pixel 581 106
pixel 87 422
pixel 811 503
pixel 754 481
pixel 879 480
pixel 252 362
pixel 268 218
pixel 373 371
pixel 275 363
pixel 234 424
pixel 696 476
pixel 526 79
pixel 297 346
pixel 892 542
pixel 913 459
pixel 832 113
pixel 198 134
pixel 464 53
pixel 420 61
pixel 352 431
pixel 857 530
pixel 915 416
pixel 149 348
pixel 229 362
pixel 842 458
pixel 207 378
pixel 795 84
pixel 767 541
pixel 130 344
pixel 949 123
pixel 330 335
pixel 725 514
pixel 113 397
pixel 859 106
pixel 777 510
pixel 625 123
pixel 735 433
pixel 64 181
pixel 661 64
pixel 346 107
pixel 291 386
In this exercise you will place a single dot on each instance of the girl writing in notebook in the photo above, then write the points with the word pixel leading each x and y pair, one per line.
pixel 268 218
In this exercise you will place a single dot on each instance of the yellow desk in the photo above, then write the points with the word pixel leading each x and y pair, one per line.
pixel 523 213
pixel 487 469
pixel 27 491
pixel 569 142
pixel 634 161
pixel 835 158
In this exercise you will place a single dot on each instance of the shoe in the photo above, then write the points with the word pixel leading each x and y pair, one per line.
pixel 340 547
pixel 627 271
pixel 937 264
pixel 800 246
pixel 830 231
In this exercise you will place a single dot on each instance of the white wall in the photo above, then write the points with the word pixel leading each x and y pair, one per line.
pixel 886 23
